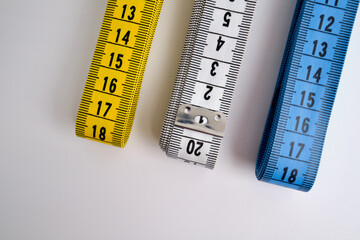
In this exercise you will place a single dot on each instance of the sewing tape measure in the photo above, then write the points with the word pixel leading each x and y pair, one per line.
pixel 214 47
pixel 294 135
pixel 112 89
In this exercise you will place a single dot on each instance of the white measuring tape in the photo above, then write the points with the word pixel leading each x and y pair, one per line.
pixel 195 121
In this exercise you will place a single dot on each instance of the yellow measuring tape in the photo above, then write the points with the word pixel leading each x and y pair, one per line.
pixel 108 105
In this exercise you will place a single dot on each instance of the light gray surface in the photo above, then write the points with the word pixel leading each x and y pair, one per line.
pixel 54 185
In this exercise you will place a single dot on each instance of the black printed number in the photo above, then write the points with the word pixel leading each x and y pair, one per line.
pixel 227 18
pixel 303 123
pixel 220 43
pixel 112 86
pixel 132 12
pixel 100 103
pixel 125 38
pixel 331 21
pixel 292 177
pixel 119 61
pixel 335 3
pixel 310 99
pixel 213 68
pixel 102 134
pixel 300 148
pixel 207 94
pixel 316 76
pixel 194 148
pixel 323 51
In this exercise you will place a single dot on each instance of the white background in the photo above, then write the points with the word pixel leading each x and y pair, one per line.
pixel 54 185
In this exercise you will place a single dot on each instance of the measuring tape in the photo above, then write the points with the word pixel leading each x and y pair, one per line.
pixel 214 47
pixel 294 135
pixel 108 105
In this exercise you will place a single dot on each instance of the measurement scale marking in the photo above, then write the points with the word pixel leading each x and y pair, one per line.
pixel 108 106
pixel 208 53
pixel 300 112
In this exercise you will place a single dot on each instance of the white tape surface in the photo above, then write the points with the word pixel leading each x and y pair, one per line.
pixel 207 75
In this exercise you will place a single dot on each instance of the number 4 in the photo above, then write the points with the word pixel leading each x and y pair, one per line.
pixel 220 43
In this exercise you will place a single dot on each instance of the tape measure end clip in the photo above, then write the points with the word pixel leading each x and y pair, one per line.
pixel 201 120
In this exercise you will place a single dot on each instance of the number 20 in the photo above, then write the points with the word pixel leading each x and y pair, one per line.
pixel 192 149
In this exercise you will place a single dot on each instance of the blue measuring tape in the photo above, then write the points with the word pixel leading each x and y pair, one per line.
pixel 294 134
